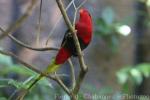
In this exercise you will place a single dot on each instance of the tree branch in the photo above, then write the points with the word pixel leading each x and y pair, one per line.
pixel 18 23
pixel 65 88
pixel 80 56
pixel 73 79
pixel 24 63
pixel 73 31
pixel 39 23
pixel 55 77
pixel 27 46
pixel 58 20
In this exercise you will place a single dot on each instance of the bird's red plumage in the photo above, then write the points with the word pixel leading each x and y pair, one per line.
pixel 84 26
pixel 62 56
pixel 84 32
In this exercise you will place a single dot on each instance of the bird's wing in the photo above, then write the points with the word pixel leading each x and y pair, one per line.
pixel 66 38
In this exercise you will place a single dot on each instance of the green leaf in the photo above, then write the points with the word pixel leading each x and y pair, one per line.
pixel 45 82
pixel 5 60
pixel 145 69
pixel 2 86
pixel 7 82
pixel 102 28
pixel 3 98
pixel 123 75
pixel 125 88
pixel 28 80
pixel 36 97
pixel 19 69
pixel 114 43
pixel 108 15
pixel 148 3
pixel 136 75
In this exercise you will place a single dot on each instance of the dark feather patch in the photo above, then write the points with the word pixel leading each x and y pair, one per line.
pixel 69 43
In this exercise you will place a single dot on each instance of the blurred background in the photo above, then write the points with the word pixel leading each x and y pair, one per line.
pixel 118 56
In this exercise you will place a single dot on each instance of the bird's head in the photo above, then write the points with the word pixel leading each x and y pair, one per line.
pixel 84 13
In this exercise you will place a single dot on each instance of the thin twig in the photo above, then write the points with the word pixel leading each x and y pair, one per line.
pixel 75 14
pixel 30 47
pixel 58 80
pixel 72 74
pixel 58 20
pixel 82 4
pixel 79 81
pixel 75 17
pixel 84 68
pixel 27 46
pixel 39 23
pixel 76 10
pixel 18 23
pixel 65 88
pixel 65 16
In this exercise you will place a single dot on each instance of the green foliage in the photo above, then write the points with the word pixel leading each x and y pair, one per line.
pixel 133 75
pixel 109 29
pixel 104 24
pixel 147 2
pixel 44 87
pixel 145 69
pixel 5 60
pixel 7 82
pixel 2 98
pixel 108 15
pixel 136 73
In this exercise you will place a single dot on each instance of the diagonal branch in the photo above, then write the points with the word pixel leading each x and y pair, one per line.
pixel 27 46
pixel 58 20
pixel 60 82
pixel 39 23
pixel 18 23
pixel 73 79
pixel 76 9
pixel 55 77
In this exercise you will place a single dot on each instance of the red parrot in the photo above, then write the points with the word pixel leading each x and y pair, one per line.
pixel 84 33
